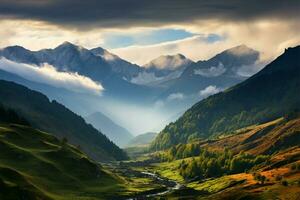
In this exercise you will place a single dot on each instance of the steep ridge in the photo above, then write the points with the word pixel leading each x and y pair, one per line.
pixel 124 68
pixel 57 119
pixel 113 131
pixel 269 94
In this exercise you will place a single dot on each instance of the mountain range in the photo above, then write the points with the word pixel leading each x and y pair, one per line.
pixel 168 84
pixel 236 142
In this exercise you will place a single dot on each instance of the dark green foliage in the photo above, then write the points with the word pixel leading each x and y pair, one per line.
pixel 268 95
pixel 206 164
pixel 278 178
pixel 295 167
pixel 52 117
pixel 10 116
pixel 182 151
pixel 284 183
pixel 292 115
pixel 260 178
pixel 64 141
pixel 210 164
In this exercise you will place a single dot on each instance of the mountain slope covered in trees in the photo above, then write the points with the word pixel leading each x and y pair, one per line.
pixel 269 94
pixel 56 119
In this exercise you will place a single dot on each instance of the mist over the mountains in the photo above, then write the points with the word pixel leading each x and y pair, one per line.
pixel 49 75
pixel 211 71
pixel 209 90
pixel 138 98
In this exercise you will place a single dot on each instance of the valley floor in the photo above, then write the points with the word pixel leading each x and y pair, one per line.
pixel 36 165
pixel 163 181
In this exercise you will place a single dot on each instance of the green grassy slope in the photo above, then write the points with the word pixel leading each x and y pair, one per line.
pixel 36 165
pixel 267 95
pixel 54 118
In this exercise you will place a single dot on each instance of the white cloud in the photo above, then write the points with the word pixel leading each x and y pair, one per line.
pixel 258 35
pixel 209 90
pixel 145 78
pixel 175 96
pixel 249 70
pixel 47 74
pixel 172 97
pixel 148 78
pixel 212 71
pixel 144 54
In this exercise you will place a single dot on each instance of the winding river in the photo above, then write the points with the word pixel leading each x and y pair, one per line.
pixel 170 186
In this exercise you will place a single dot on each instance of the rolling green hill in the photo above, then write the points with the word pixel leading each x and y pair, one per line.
pixel 36 165
pixel 269 94
pixel 54 118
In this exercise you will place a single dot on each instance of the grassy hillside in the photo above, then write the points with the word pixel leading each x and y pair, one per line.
pixel 36 165
pixel 268 95
pixel 267 138
pixel 52 117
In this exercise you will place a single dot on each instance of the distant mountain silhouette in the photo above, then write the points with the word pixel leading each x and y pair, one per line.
pixel 113 131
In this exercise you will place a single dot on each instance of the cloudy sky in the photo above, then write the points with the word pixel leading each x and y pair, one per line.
pixel 140 30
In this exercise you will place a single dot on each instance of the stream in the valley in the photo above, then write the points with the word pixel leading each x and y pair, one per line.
pixel 168 186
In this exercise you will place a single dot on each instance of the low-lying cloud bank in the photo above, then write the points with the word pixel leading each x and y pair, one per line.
pixel 47 74
pixel 212 71
pixel 176 96
pixel 208 91
pixel 147 78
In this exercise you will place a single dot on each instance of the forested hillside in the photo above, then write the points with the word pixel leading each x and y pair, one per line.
pixel 56 119
pixel 269 94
